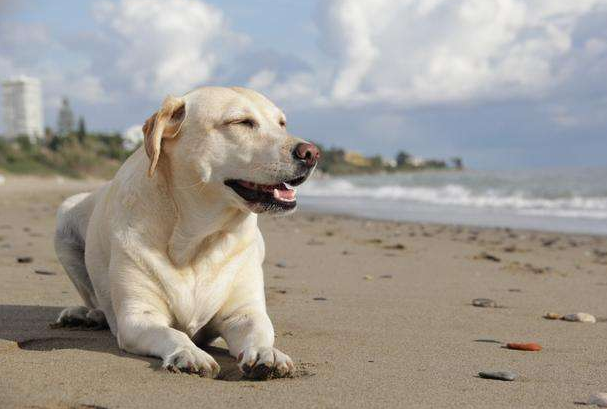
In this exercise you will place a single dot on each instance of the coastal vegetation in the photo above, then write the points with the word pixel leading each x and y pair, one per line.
pixel 338 161
pixel 78 153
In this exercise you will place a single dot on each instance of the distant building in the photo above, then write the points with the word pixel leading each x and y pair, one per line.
pixel 416 162
pixel 390 163
pixel 22 108
pixel 355 158
pixel 65 120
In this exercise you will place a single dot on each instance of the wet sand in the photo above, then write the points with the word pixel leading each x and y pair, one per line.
pixel 375 314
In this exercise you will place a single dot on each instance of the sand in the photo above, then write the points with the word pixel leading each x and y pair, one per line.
pixel 375 314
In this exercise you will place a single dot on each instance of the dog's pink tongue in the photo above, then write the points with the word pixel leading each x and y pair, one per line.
pixel 284 194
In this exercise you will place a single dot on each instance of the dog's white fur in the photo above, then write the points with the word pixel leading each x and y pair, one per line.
pixel 169 255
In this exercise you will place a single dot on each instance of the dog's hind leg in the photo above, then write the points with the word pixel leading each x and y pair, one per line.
pixel 69 246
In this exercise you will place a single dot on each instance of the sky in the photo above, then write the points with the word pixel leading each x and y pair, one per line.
pixel 504 84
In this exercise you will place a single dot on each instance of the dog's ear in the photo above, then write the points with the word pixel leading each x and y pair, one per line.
pixel 165 123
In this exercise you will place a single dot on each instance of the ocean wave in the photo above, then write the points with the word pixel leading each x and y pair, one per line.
pixel 459 195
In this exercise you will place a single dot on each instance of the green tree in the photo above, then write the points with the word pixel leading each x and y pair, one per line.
pixel 402 158
pixel 377 162
pixel 81 132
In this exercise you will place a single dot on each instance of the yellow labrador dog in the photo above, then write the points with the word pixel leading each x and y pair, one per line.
pixel 168 254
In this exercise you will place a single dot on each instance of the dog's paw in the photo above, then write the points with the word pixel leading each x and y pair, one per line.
pixel 81 317
pixel 192 360
pixel 264 363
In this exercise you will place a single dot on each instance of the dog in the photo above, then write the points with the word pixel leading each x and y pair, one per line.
pixel 168 254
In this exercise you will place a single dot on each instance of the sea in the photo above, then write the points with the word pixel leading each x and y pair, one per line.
pixel 563 200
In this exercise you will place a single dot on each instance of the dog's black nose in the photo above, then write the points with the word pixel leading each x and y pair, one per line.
pixel 308 153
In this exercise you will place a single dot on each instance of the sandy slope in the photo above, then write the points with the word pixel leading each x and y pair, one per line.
pixel 409 339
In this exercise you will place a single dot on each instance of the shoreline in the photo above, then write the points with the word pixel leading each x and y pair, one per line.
pixel 546 230
pixel 442 226
pixel 15 183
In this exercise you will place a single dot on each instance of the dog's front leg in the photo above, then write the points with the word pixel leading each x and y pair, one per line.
pixel 144 319
pixel 148 333
pixel 249 334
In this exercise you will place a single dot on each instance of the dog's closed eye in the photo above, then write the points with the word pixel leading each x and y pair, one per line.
pixel 248 122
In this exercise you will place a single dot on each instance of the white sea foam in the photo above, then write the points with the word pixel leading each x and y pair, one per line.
pixel 451 194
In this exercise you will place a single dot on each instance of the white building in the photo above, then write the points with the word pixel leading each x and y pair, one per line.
pixel 22 107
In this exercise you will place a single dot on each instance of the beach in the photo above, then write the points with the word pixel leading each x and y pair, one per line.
pixel 374 314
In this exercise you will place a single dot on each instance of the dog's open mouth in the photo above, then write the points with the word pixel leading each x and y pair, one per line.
pixel 281 195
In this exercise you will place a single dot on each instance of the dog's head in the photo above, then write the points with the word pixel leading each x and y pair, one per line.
pixel 232 141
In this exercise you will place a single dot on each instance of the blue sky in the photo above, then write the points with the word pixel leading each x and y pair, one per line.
pixel 502 83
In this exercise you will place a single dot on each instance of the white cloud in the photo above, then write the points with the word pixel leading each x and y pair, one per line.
pixel 412 52
pixel 262 79
pixel 167 46
pixel 132 136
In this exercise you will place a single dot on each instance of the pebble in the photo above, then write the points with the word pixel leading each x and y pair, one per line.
pixel 45 272
pixel 368 278
pixel 486 256
pixel 397 246
pixel 498 375
pixel 598 399
pixel 553 316
pixel 484 302
pixel 580 317
pixel 281 264
pixel 26 259
pixel 524 347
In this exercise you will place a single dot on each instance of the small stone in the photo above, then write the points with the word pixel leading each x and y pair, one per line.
pixel 553 316
pixel 549 241
pixel 319 299
pixel 484 303
pixel 524 347
pixel 598 399
pixel 580 317
pixel 397 246
pixel 45 272
pixel 25 259
pixel 486 256
pixel 498 375
pixel 368 277
pixel 281 264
